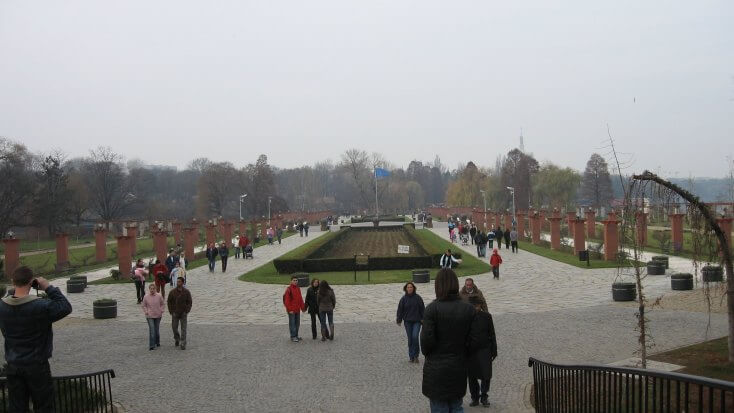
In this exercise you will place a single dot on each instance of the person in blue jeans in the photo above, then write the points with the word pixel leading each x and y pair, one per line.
pixel 211 255
pixel 410 311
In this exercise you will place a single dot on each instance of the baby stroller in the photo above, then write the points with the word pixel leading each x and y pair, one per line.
pixel 248 251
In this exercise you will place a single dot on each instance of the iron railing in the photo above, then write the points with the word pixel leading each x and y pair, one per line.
pixel 597 388
pixel 90 392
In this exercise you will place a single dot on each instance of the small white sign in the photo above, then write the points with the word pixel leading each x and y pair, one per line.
pixel 403 249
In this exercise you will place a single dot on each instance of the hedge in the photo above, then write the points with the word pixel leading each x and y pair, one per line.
pixel 292 261
pixel 389 218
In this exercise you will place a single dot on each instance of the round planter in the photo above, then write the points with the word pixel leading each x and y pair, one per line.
pixel 681 282
pixel 79 278
pixel 655 268
pixel 74 286
pixel 106 309
pixel 663 259
pixel 421 276
pixel 303 279
pixel 624 291
pixel 712 273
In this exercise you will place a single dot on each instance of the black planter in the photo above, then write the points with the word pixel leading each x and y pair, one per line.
pixel 303 279
pixel 75 286
pixel 106 309
pixel 79 278
pixel 681 281
pixel 655 268
pixel 421 276
pixel 662 259
pixel 624 291
pixel 712 273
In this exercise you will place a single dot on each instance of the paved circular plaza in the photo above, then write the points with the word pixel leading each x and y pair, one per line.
pixel 239 357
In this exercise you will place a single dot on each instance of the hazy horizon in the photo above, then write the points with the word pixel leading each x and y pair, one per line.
pixel 168 82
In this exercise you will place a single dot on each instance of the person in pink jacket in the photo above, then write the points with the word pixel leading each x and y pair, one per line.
pixel 153 307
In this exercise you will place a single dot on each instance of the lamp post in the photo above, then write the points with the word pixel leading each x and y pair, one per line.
pixel 270 199
pixel 484 197
pixel 514 220
pixel 242 199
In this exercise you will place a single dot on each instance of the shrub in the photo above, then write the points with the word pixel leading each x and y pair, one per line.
pixel 115 274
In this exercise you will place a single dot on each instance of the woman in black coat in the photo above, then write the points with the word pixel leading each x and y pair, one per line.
pixel 445 339
pixel 312 305
pixel 507 238
pixel 484 351
pixel 410 310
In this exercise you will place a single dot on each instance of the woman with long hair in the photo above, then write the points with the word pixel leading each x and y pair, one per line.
pixel 410 311
pixel 312 305
pixel 326 301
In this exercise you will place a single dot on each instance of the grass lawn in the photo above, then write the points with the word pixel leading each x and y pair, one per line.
pixel 268 275
pixel 707 359
pixel 564 257
pixel 49 244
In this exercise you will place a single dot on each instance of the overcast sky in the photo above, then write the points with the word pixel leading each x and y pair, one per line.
pixel 301 81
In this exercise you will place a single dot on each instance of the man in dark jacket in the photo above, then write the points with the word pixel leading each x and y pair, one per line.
pixel 484 353
pixel 211 255
pixel 179 305
pixel 445 342
pixel 25 321
pixel 498 235
pixel 224 254
pixel 473 232
pixel 171 261
pixel 507 238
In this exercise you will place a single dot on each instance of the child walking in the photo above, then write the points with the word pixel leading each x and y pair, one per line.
pixel 495 260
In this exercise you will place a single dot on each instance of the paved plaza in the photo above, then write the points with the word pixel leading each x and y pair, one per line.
pixel 239 357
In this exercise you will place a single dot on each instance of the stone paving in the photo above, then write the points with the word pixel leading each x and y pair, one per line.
pixel 239 357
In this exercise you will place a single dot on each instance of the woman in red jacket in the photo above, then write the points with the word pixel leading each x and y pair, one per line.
pixel 495 260
pixel 160 272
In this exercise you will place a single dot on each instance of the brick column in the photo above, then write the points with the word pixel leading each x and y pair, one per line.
pixel 191 235
pixel 591 223
pixel 541 217
pixel 228 233
pixel 177 232
pixel 725 224
pixel 210 233
pixel 535 228
pixel 62 251
pixel 132 232
pixel 159 243
pixel 611 237
pixel 520 224
pixel 508 220
pixel 555 230
pixel 124 255
pixel 243 227
pixel 570 218
pixel 641 228
pixel 12 256
pixel 100 244
pixel 676 226
pixel 579 236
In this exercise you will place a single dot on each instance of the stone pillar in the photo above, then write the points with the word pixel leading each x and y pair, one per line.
pixel 497 220
pixel 177 232
pixel 676 226
pixel 508 220
pixel 591 223
pixel 535 228
pixel 725 224
pixel 132 232
pixel 12 256
pixel 124 255
pixel 62 251
pixel 570 218
pixel 100 244
pixel 555 230
pixel 611 237
pixel 228 225
pixel 641 228
pixel 243 227
pixel 159 243
pixel 210 233
pixel 191 234
pixel 579 236
pixel 520 224
pixel 541 217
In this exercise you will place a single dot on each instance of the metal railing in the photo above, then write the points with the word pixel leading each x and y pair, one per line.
pixel 90 392
pixel 597 388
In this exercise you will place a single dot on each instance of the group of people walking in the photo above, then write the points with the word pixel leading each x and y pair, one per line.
pixel 179 306
pixel 320 302
pixel 484 240
pixel 456 335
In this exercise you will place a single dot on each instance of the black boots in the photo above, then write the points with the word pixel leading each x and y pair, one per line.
pixel 331 329
pixel 324 334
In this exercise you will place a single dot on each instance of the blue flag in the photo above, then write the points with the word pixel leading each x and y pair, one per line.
pixel 381 173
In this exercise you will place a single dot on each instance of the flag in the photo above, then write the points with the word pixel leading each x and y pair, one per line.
pixel 381 173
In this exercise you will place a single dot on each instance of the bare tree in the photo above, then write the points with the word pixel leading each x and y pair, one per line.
pixel 16 185
pixel 52 200
pixel 109 188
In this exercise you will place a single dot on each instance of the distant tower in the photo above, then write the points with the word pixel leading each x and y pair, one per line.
pixel 522 143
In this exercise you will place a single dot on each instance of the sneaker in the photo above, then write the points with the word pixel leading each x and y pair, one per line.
pixel 294 339
pixel 474 402
pixel 152 348
pixel 485 401
pixel 176 343
pixel 183 346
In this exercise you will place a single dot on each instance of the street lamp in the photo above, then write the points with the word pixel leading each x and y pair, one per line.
pixel 484 197
pixel 514 221
pixel 242 199
pixel 270 199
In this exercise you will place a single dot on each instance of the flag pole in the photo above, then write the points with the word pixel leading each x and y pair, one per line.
pixel 377 210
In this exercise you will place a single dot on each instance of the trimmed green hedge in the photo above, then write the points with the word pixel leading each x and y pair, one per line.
pixel 388 218
pixel 292 261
